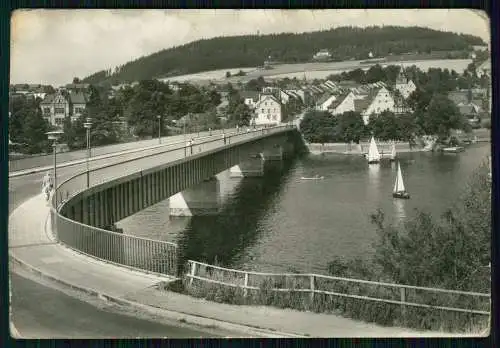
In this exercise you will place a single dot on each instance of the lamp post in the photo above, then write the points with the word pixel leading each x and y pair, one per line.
pixel 159 128
pixel 88 125
pixel 54 136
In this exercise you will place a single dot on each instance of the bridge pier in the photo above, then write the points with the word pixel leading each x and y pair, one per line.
pixel 273 154
pixel 201 199
pixel 251 167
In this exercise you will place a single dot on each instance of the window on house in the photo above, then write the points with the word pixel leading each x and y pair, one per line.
pixel 275 117
pixel 268 110
pixel 59 110
pixel 262 110
pixel 46 110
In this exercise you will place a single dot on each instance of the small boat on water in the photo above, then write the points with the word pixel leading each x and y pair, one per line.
pixel 316 177
pixel 373 154
pixel 454 149
pixel 399 190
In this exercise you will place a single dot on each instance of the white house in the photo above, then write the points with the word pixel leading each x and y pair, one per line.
pixel 484 68
pixel 405 86
pixel 377 101
pixel 267 110
pixel 343 103
pixel 325 101
pixel 322 54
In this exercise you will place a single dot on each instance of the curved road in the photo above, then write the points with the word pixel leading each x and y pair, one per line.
pixel 42 310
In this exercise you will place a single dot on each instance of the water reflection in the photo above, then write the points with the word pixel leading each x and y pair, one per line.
pixel 373 181
pixel 223 237
pixel 399 211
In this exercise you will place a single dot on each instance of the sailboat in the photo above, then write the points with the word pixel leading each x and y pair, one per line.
pixel 392 157
pixel 373 154
pixel 399 190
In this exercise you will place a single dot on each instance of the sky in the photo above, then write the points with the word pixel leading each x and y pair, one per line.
pixel 53 46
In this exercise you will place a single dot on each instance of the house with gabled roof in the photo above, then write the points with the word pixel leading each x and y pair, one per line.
pixel 484 68
pixel 57 107
pixel 343 103
pixel 268 110
pixel 325 101
pixel 78 102
pixel 404 85
pixel 377 101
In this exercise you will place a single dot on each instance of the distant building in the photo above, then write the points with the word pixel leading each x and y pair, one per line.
pixel 484 68
pixel 267 110
pixel 343 103
pixel 377 101
pixel 405 86
pixel 56 107
pixel 322 54
pixel 78 102
pixel 323 103
pixel 480 47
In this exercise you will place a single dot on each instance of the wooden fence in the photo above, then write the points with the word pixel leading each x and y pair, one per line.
pixel 315 284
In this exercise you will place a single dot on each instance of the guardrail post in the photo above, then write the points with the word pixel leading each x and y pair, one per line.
pixel 245 290
pixel 312 287
pixel 193 270
pixel 403 307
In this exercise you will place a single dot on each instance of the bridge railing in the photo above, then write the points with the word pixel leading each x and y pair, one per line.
pixel 314 287
pixel 141 253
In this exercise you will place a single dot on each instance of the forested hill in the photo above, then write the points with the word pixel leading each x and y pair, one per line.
pixel 252 50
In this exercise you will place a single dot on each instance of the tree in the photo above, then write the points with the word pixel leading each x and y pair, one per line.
pixel 76 80
pixel 319 127
pixel 442 115
pixel 450 252
pixel 27 125
pixel 407 128
pixel 351 127
pixel 385 126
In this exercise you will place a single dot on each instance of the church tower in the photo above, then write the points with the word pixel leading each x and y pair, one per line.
pixel 402 79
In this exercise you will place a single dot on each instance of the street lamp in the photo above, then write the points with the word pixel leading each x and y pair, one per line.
pixel 184 131
pixel 54 136
pixel 159 128
pixel 87 125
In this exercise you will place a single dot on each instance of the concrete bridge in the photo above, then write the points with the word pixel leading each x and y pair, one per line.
pixel 84 217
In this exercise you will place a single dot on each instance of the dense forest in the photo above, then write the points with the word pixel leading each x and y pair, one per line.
pixel 344 43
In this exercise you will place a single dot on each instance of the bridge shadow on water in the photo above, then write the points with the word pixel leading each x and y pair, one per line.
pixel 221 238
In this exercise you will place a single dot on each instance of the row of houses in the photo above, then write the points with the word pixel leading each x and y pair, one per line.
pixel 367 99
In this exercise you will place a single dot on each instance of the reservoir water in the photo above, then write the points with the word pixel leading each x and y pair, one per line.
pixel 281 222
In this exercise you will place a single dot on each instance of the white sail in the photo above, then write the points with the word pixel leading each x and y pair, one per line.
pixel 373 154
pixel 399 185
pixel 393 151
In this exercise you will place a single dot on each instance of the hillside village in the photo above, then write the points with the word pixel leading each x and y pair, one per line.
pixel 268 102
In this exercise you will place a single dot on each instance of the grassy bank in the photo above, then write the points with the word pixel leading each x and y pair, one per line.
pixel 270 291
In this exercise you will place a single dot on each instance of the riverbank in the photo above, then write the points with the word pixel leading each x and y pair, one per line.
pixel 361 148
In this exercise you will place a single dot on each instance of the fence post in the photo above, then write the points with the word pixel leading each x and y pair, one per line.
pixel 193 270
pixel 403 307
pixel 312 287
pixel 245 290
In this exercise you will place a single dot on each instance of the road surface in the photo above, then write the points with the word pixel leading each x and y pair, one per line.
pixel 43 311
